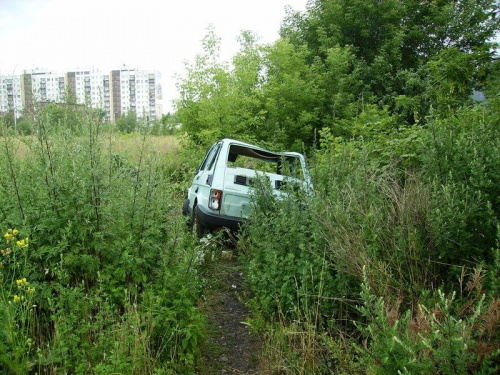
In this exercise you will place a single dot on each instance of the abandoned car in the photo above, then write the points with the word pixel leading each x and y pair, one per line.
pixel 219 195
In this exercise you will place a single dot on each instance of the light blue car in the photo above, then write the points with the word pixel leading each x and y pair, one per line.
pixel 220 193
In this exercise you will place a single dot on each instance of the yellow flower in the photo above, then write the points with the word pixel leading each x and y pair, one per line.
pixel 22 282
pixel 6 252
pixel 16 298
pixel 30 290
pixel 22 243
pixel 15 232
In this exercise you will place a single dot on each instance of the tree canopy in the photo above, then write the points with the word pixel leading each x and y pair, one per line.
pixel 406 59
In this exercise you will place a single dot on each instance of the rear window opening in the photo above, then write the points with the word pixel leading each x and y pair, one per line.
pixel 264 161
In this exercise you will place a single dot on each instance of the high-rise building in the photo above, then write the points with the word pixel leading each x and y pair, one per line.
pixel 90 87
pixel 43 86
pixel 119 92
pixel 11 95
pixel 136 90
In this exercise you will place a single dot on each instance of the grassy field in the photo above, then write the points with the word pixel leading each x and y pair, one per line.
pixel 130 144
pixel 126 145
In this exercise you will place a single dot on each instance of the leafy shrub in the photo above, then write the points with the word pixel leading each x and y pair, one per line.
pixel 442 335
pixel 291 279
pixel 460 162
pixel 401 214
pixel 287 274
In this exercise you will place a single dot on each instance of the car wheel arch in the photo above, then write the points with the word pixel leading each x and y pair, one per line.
pixel 196 226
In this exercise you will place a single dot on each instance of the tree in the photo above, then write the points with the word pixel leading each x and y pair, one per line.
pixel 340 58
pixel 492 85
pixel 292 95
pixel 127 123
pixel 166 125
pixel 400 47
pixel 203 105
pixel 8 120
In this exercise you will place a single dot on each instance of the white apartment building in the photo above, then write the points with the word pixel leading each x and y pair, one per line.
pixel 11 94
pixel 45 86
pixel 117 93
pixel 136 90
pixel 92 88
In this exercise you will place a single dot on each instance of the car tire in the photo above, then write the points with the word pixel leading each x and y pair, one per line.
pixel 196 226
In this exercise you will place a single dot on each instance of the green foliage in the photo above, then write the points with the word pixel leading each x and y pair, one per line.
pixel 217 102
pixel 287 275
pixel 493 83
pixel 460 156
pixel 405 171
pixel 114 272
pixel 409 49
pixel 24 127
pixel 451 78
pixel 8 120
pixel 402 210
pixel 440 336
pixel 16 304
pixel 127 123
pixel 167 125
pixel 63 117
pixel 338 62
pixel 291 95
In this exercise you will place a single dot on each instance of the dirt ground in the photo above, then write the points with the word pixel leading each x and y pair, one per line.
pixel 230 348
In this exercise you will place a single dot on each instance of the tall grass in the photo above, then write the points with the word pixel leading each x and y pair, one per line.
pixel 107 280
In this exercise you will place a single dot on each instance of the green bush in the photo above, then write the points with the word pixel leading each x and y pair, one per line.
pixel 460 164
pixel 285 269
pixel 441 335
pixel 400 212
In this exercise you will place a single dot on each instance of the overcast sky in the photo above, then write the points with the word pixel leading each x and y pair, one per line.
pixel 62 35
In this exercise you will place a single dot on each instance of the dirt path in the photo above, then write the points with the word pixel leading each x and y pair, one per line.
pixel 230 347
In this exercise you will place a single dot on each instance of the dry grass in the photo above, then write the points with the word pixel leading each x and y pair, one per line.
pixel 19 146
pixel 130 145
pixel 126 145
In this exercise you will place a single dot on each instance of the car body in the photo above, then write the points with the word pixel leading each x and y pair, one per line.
pixel 220 193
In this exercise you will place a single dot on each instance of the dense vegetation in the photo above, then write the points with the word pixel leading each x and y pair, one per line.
pixel 393 266
pixel 97 271
pixel 359 68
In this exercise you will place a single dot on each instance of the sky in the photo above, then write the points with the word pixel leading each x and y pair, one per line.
pixel 64 35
